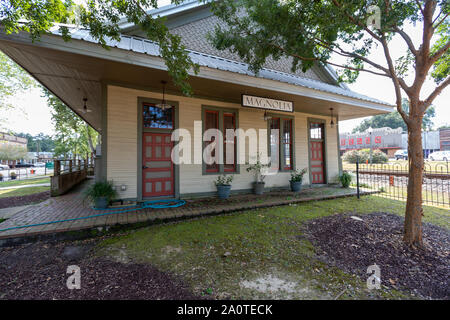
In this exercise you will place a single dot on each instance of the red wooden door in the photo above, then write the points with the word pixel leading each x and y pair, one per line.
pixel 157 166
pixel 317 168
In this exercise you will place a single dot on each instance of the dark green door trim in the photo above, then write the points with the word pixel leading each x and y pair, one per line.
pixel 140 131
pixel 104 134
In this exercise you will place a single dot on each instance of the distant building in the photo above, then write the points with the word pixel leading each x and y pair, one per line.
pixel 40 156
pixel 385 139
pixel 390 140
pixel 8 139
pixel 444 137
pixel 13 140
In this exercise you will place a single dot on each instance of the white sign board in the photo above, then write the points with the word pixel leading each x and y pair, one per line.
pixel 266 103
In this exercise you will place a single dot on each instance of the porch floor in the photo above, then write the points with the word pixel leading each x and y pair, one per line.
pixel 71 205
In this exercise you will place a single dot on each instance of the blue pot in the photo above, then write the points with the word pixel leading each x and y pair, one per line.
pixel 223 191
pixel 296 186
pixel 258 188
pixel 101 203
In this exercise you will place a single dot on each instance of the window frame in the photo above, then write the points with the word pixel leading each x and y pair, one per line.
pixel 220 147
pixel 281 162
pixel 144 104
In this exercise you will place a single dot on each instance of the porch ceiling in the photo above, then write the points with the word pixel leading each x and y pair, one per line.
pixel 73 76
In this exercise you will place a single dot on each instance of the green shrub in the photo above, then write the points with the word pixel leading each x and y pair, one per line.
pixel 297 175
pixel 224 180
pixel 345 178
pixel 101 189
pixel 363 156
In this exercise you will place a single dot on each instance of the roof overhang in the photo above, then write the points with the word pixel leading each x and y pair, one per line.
pixel 76 69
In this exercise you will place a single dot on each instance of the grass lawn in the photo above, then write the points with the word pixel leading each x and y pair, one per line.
pixel 22 191
pixel 13 183
pixel 258 254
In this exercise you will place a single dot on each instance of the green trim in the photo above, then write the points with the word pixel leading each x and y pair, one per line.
pixel 338 146
pixel 324 121
pixel 221 111
pixel 280 150
pixel 140 131
pixel 104 134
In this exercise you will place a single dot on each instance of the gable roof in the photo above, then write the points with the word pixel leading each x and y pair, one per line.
pixel 192 20
pixel 144 46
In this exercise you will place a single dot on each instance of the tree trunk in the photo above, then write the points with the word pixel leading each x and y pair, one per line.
pixel 91 144
pixel 413 216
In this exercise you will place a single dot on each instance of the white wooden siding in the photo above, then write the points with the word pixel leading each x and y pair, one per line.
pixel 122 142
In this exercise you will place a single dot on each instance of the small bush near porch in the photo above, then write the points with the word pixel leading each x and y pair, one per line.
pixel 281 252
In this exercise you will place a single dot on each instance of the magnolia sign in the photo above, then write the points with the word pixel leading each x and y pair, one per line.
pixel 266 103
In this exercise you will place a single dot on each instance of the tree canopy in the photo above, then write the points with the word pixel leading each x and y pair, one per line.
pixel 74 137
pixel 394 120
pixel 102 18
pixel 316 32
pixel 38 143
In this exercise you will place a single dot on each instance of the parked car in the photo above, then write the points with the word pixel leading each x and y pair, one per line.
pixel 24 165
pixel 401 154
pixel 39 164
pixel 439 156
pixel 4 167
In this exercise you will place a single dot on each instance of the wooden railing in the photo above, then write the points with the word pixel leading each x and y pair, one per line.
pixel 69 173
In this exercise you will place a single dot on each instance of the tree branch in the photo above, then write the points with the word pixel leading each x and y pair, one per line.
pixel 353 55
pixel 357 22
pixel 395 80
pixel 420 7
pixel 408 40
pixel 331 63
pixel 442 20
pixel 439 53
pixel 436 92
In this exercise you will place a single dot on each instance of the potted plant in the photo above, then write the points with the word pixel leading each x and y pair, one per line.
pixel 13 175
pixel 296 179
pixel 101 193
pixel 345 178
pixel 223 184
pixel 258 170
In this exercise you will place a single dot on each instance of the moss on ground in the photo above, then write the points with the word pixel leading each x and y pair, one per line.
pixel 257 254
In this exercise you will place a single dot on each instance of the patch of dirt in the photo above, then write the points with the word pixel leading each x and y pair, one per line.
pixel 280 286
pixel 23 200
pixel 354 245
pixel 39 271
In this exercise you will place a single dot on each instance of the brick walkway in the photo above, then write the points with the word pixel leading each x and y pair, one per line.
pixel 71 206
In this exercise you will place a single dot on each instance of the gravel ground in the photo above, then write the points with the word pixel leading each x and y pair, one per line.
pixel 38 271
pixel 353 245
pixel 23 200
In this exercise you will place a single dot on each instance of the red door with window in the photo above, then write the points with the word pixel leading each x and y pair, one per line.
pixel 317 162
pixel 157 166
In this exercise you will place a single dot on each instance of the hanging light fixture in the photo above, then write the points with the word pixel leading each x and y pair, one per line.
pixel 164 105
pixel 332 120
pixel 85 109
pixel 266 116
